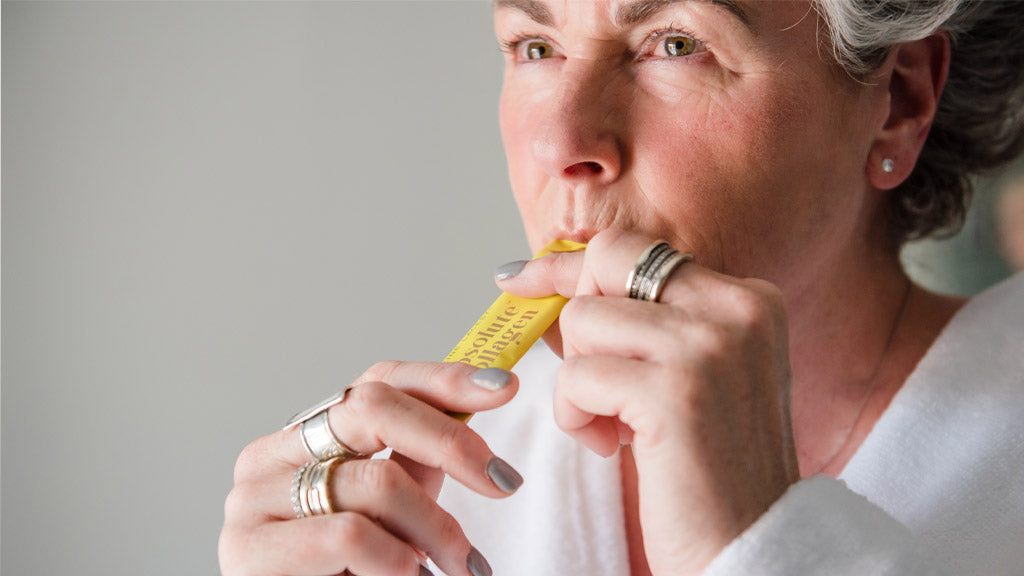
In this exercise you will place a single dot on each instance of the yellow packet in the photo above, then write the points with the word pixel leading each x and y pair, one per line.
pixel 510 326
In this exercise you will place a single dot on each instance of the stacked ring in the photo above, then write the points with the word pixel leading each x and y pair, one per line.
pixel 654 266
pixel 311 494
pixel 297 495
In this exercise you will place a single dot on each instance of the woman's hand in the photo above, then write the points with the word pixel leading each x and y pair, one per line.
pixel 698 382
pixel 387 520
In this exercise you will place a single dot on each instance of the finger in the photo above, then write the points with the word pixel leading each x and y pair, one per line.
pixel 375 416
pixel 370 418
pixel 574 273
pixel 449 386
pixel 603 269
pixel 606 326
pixel 594 393
pixel 556 273
pixel 323 545
pixel 382 491
pixel 611 256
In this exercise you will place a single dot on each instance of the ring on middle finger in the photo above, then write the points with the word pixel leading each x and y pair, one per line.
pixel 311 494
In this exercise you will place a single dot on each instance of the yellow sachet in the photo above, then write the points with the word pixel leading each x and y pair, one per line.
pixel 510 326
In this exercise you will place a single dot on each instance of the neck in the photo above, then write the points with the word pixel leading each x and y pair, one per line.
pixel 855 336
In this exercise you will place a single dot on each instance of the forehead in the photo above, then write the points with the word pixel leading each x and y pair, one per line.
pixel 620 12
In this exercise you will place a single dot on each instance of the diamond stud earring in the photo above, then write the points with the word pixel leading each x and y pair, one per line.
pixel 888 165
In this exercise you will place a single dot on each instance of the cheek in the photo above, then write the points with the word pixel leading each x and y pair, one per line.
pixel 514 137
pixel 517 127
pixel 724 177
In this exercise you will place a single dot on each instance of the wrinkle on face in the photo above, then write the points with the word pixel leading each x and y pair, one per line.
pixel 734 154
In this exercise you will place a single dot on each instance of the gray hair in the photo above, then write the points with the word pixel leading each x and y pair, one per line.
pixel 979 125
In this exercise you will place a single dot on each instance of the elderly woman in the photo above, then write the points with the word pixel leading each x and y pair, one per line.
pixel 788 403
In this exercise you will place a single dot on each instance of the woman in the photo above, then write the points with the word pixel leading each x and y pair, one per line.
pixel 791 147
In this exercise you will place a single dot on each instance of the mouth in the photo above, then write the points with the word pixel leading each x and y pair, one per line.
pixel 580 235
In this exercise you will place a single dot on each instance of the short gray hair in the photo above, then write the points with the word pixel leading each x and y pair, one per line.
pixel 979 125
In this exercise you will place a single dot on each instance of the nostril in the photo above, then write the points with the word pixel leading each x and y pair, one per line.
pixel 584 169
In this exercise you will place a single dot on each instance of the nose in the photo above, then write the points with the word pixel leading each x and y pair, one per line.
pixel 579 138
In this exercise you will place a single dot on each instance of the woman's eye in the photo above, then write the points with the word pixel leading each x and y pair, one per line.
pixel 679 45
pixel 537 50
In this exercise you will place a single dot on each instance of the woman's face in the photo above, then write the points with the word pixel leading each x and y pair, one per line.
pixel 718 125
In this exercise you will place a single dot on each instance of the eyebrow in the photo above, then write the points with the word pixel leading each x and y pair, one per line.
pixel 627 14
pixel 640 10
pixel 537 12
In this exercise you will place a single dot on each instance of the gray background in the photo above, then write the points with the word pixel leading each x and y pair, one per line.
pixel 213 215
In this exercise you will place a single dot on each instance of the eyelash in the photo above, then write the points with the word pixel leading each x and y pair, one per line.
pixel 660 34
pixel 512 45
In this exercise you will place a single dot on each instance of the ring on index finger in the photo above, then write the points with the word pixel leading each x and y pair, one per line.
pixel 316 434
pixel 656 263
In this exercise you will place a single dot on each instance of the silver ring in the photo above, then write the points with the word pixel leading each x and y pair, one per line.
pixel 311 488
pixel 308 413
pixel 656 263
pixel 315 430
pixel 320 441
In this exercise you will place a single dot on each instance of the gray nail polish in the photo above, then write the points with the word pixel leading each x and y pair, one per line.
pixel 424 571
pixel 491 378
pixel 504 475
pixel 510 269
pixel 476 563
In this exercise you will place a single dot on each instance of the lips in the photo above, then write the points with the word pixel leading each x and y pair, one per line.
pixel 582 236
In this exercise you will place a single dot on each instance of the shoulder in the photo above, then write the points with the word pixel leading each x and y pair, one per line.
pixel 983 343
pixel 944 459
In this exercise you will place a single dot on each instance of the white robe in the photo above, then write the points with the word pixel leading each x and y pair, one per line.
pixel 937 486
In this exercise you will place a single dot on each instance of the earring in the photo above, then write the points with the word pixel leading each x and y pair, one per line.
pixel 888 165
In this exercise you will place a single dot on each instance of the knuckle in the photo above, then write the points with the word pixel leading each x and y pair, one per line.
pixel 449 376
pixel 380 371
pixel 355 532
pixel 604 241
pixel 366 396
pixel 752 306
pixel 574 374
pixel 449 533
pixel 249 460
pixel 574 309
pixel 382 477
pixel 710 340
pixel 347 527
pixel 562 267
pixel 771 293
pixel 569 370
pixel 454 439
pixel 238 503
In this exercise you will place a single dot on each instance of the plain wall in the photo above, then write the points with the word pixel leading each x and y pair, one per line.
pixel 213 215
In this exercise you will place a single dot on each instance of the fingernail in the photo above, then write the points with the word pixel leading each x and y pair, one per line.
pixel 506 271
pixel 504 475
pixel 492 378
pixel 424 571
pixel 476 563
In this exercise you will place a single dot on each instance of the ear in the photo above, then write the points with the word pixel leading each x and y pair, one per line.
pixel 916 72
